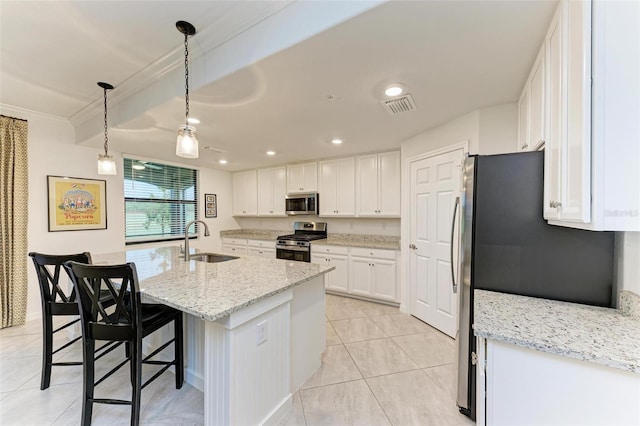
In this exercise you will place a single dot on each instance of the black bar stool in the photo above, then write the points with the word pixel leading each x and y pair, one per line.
pixel 128 321
pixel 58 302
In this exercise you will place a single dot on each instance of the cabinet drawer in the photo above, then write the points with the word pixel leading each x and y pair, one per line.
pixel 261 243
pixel 237 241
pixel 319 249
pixel 377 253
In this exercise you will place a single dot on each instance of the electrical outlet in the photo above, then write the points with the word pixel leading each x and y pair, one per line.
pixel 261 332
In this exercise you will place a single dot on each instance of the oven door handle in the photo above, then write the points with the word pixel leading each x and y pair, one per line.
pixel 292 248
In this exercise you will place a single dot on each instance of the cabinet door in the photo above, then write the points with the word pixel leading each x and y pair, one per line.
pixel 251 192
pixel 384 279
pixel 554 114
pixel 360 276
pixel 523 119
pixel 295 178
pixel 338 278
pixel 271 191
pixel 310 177
pixel 536 112
pixel 576 155
pixel 346 187
pixel 279 179
pixel 265 192
pixel 367 185
pixel 302 178
pixel 238 194
pixel 327 188
pixel 389 184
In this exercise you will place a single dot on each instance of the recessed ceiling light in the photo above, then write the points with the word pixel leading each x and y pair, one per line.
pixel 222 161
pixel 193 120
pixel 336 141
pixel 394 90
pixel 271 153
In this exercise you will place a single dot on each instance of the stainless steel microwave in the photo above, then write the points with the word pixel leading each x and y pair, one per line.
pixel 296 204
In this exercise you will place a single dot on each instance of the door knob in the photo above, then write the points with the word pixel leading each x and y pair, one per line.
pixel 412 246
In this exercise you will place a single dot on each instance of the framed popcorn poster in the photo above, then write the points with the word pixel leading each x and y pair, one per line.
pixel 76 204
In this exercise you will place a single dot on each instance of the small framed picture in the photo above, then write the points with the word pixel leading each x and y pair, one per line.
pixel 210 205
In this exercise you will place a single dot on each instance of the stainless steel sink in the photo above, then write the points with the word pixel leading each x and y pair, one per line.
pixel 211 257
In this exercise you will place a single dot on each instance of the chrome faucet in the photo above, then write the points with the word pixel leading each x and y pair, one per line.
pixel 187 256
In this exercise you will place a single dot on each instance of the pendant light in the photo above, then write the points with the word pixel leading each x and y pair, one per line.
pixel 187 143
pixel 106 164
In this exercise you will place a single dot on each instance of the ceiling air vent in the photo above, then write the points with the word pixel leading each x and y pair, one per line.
pixel 400 104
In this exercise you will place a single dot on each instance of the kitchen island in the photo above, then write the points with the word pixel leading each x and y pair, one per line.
pixel 255 327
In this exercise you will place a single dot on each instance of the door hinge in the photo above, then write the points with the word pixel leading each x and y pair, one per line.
pixel 474 358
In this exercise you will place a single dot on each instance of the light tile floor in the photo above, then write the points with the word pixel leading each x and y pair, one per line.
pixel 380 367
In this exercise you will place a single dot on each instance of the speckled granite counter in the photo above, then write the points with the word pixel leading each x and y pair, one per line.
pixel 361 240
pixel 252 234
pixel 600 335
pixel 350 240
pixel 211 290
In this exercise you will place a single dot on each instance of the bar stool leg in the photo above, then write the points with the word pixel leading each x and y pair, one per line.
pixel 136 363
pixel 179 353
pixel 89 380
pixel 47 350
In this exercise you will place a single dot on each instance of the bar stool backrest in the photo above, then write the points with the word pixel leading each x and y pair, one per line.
pixel 55 300
pixel 120 322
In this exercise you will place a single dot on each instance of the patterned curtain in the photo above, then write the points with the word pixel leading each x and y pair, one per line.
pixel 13 221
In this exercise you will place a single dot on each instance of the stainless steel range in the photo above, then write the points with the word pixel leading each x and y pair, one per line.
pixel 297 246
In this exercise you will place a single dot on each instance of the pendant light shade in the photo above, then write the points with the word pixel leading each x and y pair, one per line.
pixel 106 163
pixel 187 142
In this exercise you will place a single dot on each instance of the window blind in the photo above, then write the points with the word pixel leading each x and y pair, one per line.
pixel 159 200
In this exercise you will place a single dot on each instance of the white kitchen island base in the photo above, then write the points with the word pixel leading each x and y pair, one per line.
pixel 251 382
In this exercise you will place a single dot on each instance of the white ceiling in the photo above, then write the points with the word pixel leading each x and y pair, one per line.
pixel 261 79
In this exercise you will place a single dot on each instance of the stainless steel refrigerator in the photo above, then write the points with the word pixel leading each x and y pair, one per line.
pixel 507 246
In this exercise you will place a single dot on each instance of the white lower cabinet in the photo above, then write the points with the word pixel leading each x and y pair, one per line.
pixel 234 246
pixel 368 273
pixel 261 248
pixel 338 279
pixel 529 387
pixel 373 273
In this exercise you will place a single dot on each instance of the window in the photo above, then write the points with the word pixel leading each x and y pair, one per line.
pixel 159 200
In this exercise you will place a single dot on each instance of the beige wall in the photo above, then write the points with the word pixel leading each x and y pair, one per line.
pixel 52 152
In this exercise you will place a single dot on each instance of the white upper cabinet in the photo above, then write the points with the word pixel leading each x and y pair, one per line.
pixel 592 87
pixel 523 118
pixel 336 186
pixel 378 185
pixel 568 148
pixel 302 178
pixel 271 191
pixel 245 193
pixel 531 107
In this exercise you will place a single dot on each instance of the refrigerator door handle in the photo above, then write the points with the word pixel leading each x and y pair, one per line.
pixel 453 229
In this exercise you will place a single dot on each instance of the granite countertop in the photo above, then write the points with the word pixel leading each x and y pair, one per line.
pixel 211 290
pixel 252 234
pixel 350 240
pixel 589 333
pixel 362 240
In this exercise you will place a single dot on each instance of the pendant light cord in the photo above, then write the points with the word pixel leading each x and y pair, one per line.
pixel 186 78
pixel 106 136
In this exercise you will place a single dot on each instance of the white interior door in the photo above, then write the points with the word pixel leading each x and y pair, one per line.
pixel 435 184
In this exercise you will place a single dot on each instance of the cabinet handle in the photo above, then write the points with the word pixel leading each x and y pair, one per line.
pixel 525 146
pixel 270 211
